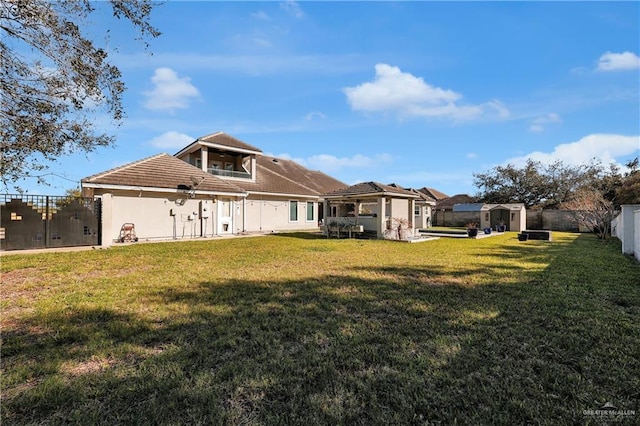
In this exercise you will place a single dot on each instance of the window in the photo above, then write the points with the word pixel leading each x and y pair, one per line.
pixel 416 211
pixel 293 211
pixel 199 163
pixel 228 166
pixel 310 214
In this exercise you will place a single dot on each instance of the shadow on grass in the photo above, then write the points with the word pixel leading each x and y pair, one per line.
pixel 410 346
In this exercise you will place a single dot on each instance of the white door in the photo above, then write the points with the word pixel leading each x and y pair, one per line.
pixel 225 216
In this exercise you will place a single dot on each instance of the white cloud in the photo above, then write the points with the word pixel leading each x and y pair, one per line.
pixel 330 163
pixel 292 8
pixel 472 155
pixel 262 15
pixel 170 91
pixel 314 115
pixel 538 124
pixel 407 95
pixel 171 140
pixel 618 61
pixel 605 147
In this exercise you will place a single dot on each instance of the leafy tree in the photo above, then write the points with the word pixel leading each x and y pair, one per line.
pixel 534 184
pixel 54 80
pixel 509 184
pixel 629 190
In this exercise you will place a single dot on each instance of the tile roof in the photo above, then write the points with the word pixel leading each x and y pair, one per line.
pixel 371 188
pixel 279 176
pixel 421 195
pixel 162 171
pixel 434 193
pixel 448 203
pixel 221 138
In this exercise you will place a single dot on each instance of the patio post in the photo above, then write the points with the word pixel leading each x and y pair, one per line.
pixel 381 225
pixel 411 216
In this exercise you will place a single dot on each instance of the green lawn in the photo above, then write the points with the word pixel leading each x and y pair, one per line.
pixel 297 329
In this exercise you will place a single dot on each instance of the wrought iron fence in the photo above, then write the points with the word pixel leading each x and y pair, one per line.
pixel 43 221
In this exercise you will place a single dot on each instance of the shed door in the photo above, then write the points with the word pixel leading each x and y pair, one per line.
pixel 500 216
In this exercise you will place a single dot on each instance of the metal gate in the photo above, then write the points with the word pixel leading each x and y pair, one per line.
pixel 44 221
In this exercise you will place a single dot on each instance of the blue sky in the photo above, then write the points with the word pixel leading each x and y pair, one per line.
pixel 415 93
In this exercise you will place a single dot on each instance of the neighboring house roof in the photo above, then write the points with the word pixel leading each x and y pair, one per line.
pixel 160 173
pixel 422 197
pixel 279 176
pixel 220 140
pixel 434 193
pixel 370 189
pixel 448 203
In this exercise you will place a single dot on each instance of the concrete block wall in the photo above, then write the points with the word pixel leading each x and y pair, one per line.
pixel 636 234
pixel 554 220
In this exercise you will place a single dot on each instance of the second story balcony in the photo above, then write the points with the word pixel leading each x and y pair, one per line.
pixel 229 173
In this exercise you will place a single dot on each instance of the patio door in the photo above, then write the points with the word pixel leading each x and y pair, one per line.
pixel 225 216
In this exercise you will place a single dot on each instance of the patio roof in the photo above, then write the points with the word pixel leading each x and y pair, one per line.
pixel 369 190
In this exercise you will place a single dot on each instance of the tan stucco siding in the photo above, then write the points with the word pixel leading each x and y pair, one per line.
pixel 151 216
pixel 400 209
pixel 271 213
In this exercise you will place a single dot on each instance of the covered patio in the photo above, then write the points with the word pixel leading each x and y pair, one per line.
pixel 370 208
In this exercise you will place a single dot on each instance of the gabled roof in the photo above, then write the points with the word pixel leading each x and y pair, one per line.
pixel 370 189
pixel 279 176
pixel 161 172
pixel 221 141
pixel 434 193
pixel 422 197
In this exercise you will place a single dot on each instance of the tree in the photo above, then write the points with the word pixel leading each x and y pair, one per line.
pixel 592 210
pixel 534 184
pixel 54 80
pixel 629 190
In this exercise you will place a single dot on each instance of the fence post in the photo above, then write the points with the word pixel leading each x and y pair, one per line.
pixel 107 220
pixel 46 222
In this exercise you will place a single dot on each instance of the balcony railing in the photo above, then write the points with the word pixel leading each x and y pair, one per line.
pixel 229 173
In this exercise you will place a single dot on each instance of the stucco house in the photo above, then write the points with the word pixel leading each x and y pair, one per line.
pixel 216 185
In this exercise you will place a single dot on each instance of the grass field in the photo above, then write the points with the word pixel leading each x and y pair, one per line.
pixel 296 329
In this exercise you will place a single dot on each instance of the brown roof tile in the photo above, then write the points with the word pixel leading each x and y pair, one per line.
pixel 221 138
pixel 434 193
pixel 421 195
pixel 279 176
pixel 370 188
pixel 162 171
pixel 448 203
